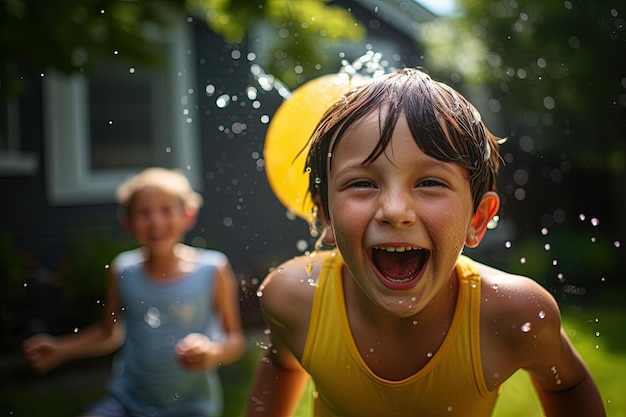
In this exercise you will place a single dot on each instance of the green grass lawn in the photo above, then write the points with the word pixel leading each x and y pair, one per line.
pixel 598 335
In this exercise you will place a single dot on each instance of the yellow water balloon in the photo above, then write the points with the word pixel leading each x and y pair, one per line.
pixel 287 139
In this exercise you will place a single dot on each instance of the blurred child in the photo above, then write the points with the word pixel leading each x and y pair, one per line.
pixel 173 309
pixel 396 321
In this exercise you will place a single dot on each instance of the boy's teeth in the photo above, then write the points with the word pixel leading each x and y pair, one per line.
pixel 396 248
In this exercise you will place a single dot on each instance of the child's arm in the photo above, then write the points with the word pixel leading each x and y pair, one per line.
pixel 196 351
pixel 564 384
pixel 286 305
pixel 278 385
pixel 560 376
pixel 45 352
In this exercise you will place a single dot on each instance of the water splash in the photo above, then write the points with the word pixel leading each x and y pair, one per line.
pixel 153 317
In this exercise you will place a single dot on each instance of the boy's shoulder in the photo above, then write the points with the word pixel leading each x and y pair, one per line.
pixel 126 259
pixel 208 256
pixel 507 285
pixel 297 270
pixel 294 280
pixel 519 322
pixel 514 304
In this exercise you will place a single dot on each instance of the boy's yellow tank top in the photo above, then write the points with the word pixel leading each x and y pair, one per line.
pixel 451 384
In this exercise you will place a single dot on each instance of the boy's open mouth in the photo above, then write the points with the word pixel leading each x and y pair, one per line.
pixel 399 264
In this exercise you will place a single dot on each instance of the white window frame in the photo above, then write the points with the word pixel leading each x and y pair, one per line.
pixel 69 178
pixel 13 160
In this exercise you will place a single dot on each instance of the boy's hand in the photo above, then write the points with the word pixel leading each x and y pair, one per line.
pixel 42 352
pixel 197 352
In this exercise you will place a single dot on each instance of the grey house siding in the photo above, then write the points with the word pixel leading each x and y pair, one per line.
pixel 36 228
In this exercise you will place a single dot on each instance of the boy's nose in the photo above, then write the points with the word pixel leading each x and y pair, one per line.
pixel 396 209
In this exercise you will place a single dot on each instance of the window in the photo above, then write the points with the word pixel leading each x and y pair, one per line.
pixel 13 161
pixel 121 119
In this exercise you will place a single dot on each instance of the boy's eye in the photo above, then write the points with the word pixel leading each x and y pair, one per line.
pixel 361 184
pixel 429 182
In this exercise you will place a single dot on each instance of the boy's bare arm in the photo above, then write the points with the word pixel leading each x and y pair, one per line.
pixel 280 380
pixel 227 304
pixel 568 388
pixel 196 352
pixel 583 399
pixel 286 304
pixel 523 330
pixel 277 387
pixel 560 376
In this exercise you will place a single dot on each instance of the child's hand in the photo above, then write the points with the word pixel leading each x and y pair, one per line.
pixel 42 352
pixel 197 352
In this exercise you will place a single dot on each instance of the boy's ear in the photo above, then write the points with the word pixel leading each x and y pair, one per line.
pixel 487 208
pixel 122 218
pixel 329 236
pixel 191 216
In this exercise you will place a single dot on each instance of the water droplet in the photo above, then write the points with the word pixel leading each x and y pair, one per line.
pixel 494 286
pixel 414 322
pixel 526 327
pixel 544 231
pixel 429 355
pixel 449 408
pixel 595 222
pixel 75 329
pixel 597 334
pixel 259 293
pixel 222 101
pixel 153 317
pixel 582 217
pixel 496 374
pixel 522 260
pixel 542 314
pixel 617 244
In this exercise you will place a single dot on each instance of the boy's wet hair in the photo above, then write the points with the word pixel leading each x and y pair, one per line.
pixel 442 122
pixel 171 181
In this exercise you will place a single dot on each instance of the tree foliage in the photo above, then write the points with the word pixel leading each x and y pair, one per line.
pixel 556 70
pixel 70 36
pixel 297 35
